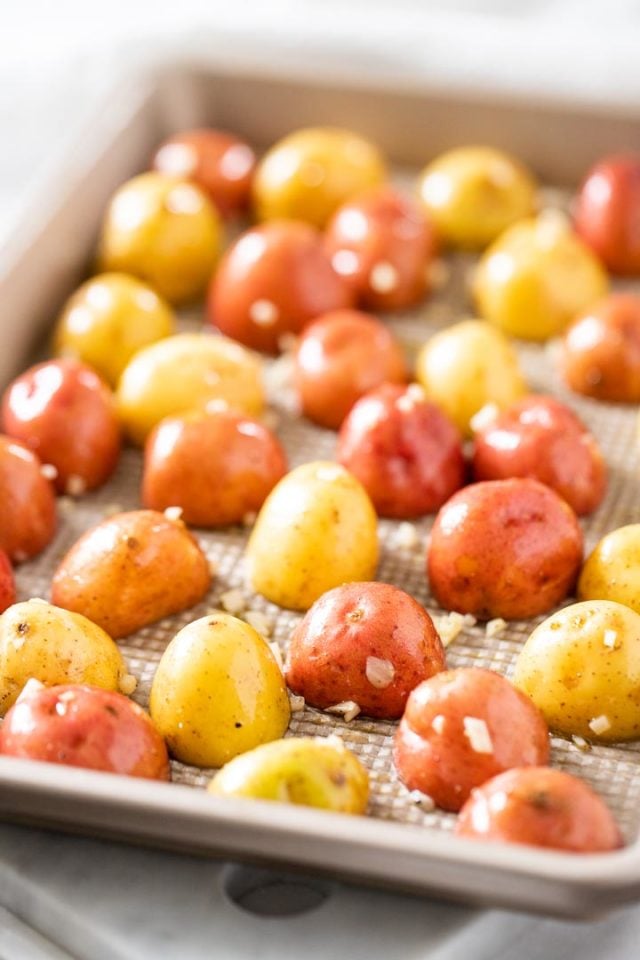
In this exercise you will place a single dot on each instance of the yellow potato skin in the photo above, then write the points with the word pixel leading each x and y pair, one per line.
pixel 183 373
pixel 218 692
pixel 108 319
pixel 311 771
pixel 612 570
pixel 574 677
pixel 316 530
pixel 467 366
pixel 54 646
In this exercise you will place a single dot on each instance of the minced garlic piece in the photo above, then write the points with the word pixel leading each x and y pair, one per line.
pixel 423 800
pixel 438 723
pixel 452 624
pixel 495 627
pixel 259 621
pixel 127 684
pixel 76 485
pixel 583 745
pixel 600 724
pixel 349 709
pixel 233 601
pixel 407 536
pixel 296 702
pixel 173 513
pixel 610 639
pixel 477 732
pixel 48 471
pixel 484 417
pixel 379 673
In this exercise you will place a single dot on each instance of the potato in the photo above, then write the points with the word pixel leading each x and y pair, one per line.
pixel 218 692
pixel 367 642
pixel 606 212
pixel 130 570
pixel 541 807
pixel 612 569
pixel 190 371
pixel 84 727
pixel 7 583
pixel 581 667
pixel 27 502
pixel 504 548
pixel 466 366
pixel 316 530
pixel 311 771
pixel 462 727
pixel 55 646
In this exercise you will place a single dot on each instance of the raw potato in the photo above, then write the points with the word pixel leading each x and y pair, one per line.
pixel 27 502
pixel 218 692
pixel 55 646
pixel 311 771
pixel 581 667
pixel 130 570
pixel 316 530
pixel 7 582
pixel 612 570
pixel 189 371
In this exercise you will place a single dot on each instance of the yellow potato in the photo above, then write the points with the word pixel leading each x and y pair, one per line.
pixel 537 277
pixel 55 646
pixel 311 771
pixel 316 530
pixel 190 371
pixel 218 692
pixel 108 319
pixel 581 667
pixel 467 366
pixel 612 570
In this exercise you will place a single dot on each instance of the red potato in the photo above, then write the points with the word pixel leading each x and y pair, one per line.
pixel 367 642
pixel 542 807
pixel 274 280
pixel 220 163
pixel 27 502
pixel 66 414
pixel 462 727
pixel 607 212
pixel 541 438
pixel 504 548
pixel 382 243
pixel 404 451
pixel 340 357
pixel 216 467
pixel 84 727
pixel 7 583
pixel 601 351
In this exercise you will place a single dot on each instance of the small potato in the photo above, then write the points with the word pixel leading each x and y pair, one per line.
pixel 504 548
pixel 581 667
pixel 541 807
pixel 612 569
pixel 462 727
pixel 607 209
pixel 218 692
pixel 66 414
pixel 191 371
pixel 84 727
pixel 216 467
pixel 311 771
pixel 7 583
pixel 404 451
pixel 27 502
pixel 316 530
pixel 55 646
pixel 130 570
pixel 467 366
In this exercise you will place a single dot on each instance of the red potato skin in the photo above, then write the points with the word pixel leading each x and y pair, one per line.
pixel 339 358
pixel 600 355
pixel 7 583
pixel 404 450
pixel 27 502
pixel 280 263
pixel 541 438
pixel 328 653
pixel 382 226
pixel 66 414
pixel 442 762
pixel 607 214
pixel 541 807
pixel 504 548
pixel 217 468
pixel 83 726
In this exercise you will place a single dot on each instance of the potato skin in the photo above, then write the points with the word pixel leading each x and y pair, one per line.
pixel 316 530
pixel 218 692
pixel 216 467
pixel 330 649
pixel 541 438
pixel 574 677
pixel 437 756
pixel 612 569
pixel 54 646
pixel 541 807
pixel 130 570
pixel 310 771
pixel 28 518
pixel 7 582
pixel 504 548
pixel 406 453
pixel 86 727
